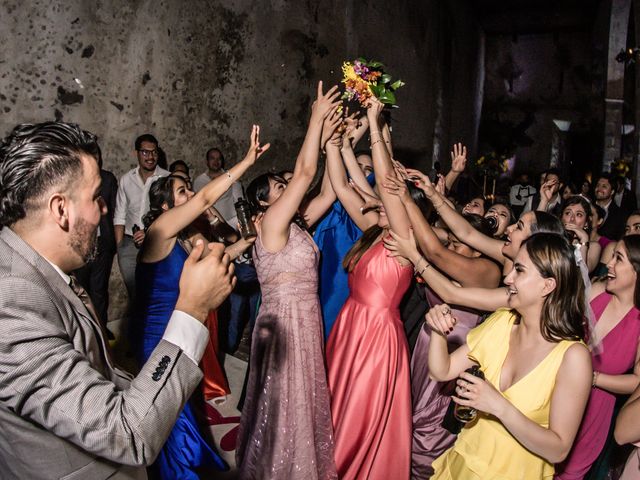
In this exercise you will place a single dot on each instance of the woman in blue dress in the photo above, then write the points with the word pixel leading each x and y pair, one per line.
pixel 336 233
pixel 168 240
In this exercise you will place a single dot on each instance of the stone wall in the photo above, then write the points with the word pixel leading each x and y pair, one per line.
pixel 199 73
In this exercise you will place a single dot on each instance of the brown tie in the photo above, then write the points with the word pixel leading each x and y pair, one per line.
pixel 86 300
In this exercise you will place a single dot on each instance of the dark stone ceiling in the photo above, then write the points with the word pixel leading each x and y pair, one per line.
pixel 519 17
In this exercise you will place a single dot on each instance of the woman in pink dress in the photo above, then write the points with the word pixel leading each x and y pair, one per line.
pixel 285 429
pixel 617 330
pixel 367 351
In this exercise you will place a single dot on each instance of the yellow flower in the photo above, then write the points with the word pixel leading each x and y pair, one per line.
pixel 349 72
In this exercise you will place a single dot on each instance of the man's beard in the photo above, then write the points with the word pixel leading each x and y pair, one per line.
pixel 84 240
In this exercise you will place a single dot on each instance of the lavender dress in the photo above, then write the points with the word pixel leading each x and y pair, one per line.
pixel 431 398
pixel 285 430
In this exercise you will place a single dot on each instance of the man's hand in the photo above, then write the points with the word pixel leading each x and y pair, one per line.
pixel 206 283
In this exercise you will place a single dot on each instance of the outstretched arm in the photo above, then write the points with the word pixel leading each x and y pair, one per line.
pixel 469 271
pixel 382 166
pixel 349 198
pixel 276 220
pixel 164 230
pixel 487 299
pixel 456 222
pixel 458 163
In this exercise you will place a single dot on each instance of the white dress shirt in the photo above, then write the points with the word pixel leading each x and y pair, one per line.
pixel 132 201
pixel 226 203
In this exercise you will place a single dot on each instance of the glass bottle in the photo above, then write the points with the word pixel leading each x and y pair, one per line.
pixel 464 413
pixel 245 222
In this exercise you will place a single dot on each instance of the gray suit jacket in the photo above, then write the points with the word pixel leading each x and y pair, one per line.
pixel 66 411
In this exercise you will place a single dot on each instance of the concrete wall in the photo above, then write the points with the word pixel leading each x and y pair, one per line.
pixel 199 73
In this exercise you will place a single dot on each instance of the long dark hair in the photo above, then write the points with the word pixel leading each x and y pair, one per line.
pixel 584 203
pixel 258 191
pixel 563 310
pixel 547 223
pixel 363 244
pixel 160 193
pixel 632 246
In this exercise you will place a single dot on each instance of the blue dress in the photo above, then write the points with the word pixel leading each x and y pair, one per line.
pixel 156 297
pixel 335 235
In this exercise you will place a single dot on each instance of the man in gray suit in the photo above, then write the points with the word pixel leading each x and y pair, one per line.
pixel 66 411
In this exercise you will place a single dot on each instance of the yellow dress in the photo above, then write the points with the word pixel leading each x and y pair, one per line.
pixel 485 449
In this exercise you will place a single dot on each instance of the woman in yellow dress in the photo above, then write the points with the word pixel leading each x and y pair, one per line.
pixel 537 370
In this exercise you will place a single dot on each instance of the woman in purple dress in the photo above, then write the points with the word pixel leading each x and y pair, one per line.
pixel 285 429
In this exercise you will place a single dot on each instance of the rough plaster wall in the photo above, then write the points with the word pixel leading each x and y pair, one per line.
pixel 199 73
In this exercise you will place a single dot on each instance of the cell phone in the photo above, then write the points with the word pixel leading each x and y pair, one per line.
pixel 135 229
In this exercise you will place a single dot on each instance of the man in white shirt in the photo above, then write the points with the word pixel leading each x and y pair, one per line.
pixel 226 203
pixel 132 202
pixel 66 410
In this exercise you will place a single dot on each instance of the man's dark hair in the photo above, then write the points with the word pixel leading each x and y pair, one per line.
pixel 609 177
pixel 147 137
pixel 215 149
pixel 178 163
pixel 35 158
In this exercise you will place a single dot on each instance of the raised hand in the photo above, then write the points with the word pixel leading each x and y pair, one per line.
pixel 548 190
pixel 374 108
pixel 325 103
pixel 370 202
pixel 255 149
pixel 396 186
pixel 401 247
pixel 421 181
pixel 440 187
pixel 440 320
pixel 458 158
pixel 330 129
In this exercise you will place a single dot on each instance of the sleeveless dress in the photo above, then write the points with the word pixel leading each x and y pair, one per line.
pixel 485 449
pixel 368 363
pixel 617 357
pixel 285 428
pixel 432 398
pixel 156 297
pixel 335 235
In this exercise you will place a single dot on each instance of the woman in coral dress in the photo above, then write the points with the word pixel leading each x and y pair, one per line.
pixel 367 351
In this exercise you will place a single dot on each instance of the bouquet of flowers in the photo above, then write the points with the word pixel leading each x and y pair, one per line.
pixel 363 78
pixel 621 167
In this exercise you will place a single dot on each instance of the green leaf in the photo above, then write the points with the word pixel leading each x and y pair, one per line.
pixel 375 65
pixel 397 84
pixel 388 97
pixel 377 90
pixel 385 78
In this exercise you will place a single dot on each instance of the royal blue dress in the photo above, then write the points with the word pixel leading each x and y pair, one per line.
pixel 156 296
pixel 335 235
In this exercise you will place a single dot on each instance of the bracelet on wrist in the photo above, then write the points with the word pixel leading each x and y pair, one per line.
pixel 377 141
pixel 594 379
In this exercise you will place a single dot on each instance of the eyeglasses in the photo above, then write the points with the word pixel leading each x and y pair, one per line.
pixel 148 153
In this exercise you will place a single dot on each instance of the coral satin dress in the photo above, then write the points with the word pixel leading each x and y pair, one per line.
pixel 368 363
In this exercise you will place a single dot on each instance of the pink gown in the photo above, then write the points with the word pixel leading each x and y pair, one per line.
pixel 618 355
pixel 285 430
pixel 368 364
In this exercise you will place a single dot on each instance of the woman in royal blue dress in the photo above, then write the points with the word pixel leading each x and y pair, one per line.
pixel 169 237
